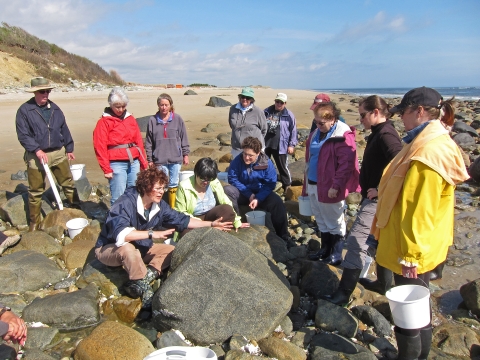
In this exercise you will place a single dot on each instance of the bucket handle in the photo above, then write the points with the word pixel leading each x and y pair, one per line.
pixel 176 355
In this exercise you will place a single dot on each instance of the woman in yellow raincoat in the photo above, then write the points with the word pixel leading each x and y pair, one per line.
pixel 414 219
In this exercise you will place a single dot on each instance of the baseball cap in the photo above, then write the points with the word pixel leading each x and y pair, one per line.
pixel 281 97
pixel 319 99
pixel 419 96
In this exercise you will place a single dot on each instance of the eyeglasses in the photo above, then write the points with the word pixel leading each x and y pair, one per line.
pixel 245 97
pixel 249 155
pixel 45 91
pixel 362 115
pixel 159 190
pixel 205 180
pixel 279 102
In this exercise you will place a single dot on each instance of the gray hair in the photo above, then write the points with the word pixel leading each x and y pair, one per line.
pixel 117 96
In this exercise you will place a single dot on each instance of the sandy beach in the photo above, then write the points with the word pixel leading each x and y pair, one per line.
pixel 83 109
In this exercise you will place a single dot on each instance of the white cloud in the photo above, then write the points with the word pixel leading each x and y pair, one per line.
pixel 243 49
pixel 314 67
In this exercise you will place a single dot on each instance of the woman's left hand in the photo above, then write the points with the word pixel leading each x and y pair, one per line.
pixel 224 226
pixel 185 160
pixel 332 193
pixel 409 272
pixel 70 156
pixel 243 225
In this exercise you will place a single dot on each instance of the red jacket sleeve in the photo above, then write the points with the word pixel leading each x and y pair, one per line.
pixel 100 137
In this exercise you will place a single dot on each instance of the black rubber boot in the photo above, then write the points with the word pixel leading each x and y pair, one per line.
pixel 383 283
pixel 341 296
pixel 409 347
pixel 325 248
pixel 335 257
pixel 426 340
pixel 437 273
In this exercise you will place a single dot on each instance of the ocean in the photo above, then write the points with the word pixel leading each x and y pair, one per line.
pixel 461 93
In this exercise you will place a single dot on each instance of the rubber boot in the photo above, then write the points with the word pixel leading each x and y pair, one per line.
pixel 383 283
pixel 409 347
pixel 172 195
pixel 426 340
pixel 335 257
pixel 341 296
pixel 35 216
pixel 437 273
pixel 325 248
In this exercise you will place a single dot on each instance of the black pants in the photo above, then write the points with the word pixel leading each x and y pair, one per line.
pixel 272 204
pixel 282 166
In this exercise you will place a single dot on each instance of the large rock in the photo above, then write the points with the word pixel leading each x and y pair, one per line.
pixel 81 250
pixel 297 172
pixel 27 271
pixel 461 127
pixel 204 152
pixel 471 295
pixel 324 354
pixel 38 241
pixel 95 210
pixel 60 217
pixel 334 342
pixel 474 170
pixel 142 123
pixel 189 92
pixel 75 310
pixel 108 279
pixel 84 189
pixel 112 340
pixel 456 340
pixel 216 101
pixel 40 337
pixel 280 349
pixel 464 140
pixel 225 139
pixel 15 208
pixel 331 317
pixel 318 279
pixel 233 287
pixel 372 317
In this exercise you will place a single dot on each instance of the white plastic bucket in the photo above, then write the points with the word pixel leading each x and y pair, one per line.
pixel 185 174
pixel 410 306
pixel 256 217
pixel 75 226
pixel 368 262
pixel 78 171
pixel 222 176
pixel 304 206
pixel 182 353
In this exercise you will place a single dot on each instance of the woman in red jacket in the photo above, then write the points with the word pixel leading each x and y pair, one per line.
pixel 118 144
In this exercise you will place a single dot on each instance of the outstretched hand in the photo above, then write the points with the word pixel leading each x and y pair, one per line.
pixel 164 234
pixel 243 225
pixel 224 226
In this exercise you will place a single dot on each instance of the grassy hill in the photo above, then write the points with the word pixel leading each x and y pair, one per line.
pixel 51 61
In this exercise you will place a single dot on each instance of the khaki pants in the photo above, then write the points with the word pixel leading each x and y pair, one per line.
pixel 58 163
pixel 158 256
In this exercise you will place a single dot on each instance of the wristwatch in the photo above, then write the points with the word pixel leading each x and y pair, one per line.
pixel 4 310
pixel 150 234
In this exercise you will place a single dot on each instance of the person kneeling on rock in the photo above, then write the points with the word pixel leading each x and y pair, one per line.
pixel 137 217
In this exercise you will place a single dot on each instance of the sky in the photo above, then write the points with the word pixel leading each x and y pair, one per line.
pixel 283 44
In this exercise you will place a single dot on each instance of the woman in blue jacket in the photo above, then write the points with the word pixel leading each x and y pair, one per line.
pixel 254 177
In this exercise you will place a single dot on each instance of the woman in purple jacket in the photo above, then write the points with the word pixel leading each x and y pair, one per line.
pixel 331 173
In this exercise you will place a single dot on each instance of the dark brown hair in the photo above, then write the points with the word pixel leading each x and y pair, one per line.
pixel 253 143
pixel 148 178
pixel 448 107
pixel 330 104
pixel 376 102
pixel 165 96
pixel 206 168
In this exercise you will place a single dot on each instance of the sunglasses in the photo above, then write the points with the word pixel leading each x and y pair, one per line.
pixel 206 180
pixel 362 115
pixel 245 97
pixel 279 102
pixel 45 91
pixel 159 190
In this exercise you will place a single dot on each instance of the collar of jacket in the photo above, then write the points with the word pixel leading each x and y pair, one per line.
pixel 271 110
pixel 107 114
pixel 32 104
pixel 378 127
pixel 261 163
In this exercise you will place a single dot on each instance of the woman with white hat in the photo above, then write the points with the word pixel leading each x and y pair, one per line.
pixel 246 119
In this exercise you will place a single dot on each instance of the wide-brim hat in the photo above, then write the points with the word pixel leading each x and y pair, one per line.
pixel 247 91
pixel 319 99
pixel 421 96
pixel 39 83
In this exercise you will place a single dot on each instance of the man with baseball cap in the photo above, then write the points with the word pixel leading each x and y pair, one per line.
pixel 281 136
pixel 43 132
pixel 320 98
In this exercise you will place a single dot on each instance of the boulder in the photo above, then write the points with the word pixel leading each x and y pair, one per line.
pixel 325 354
pixel 280 349
pixel 202 152
pixel 60 217
pixel 169 338
pixel 225 139
pixel 240 355
pixel 108 279
pixel 464 140
pixel 370 316
pixel 15 209
pixel 95 210
pixel 189 92
pixel 330 317
pixel 474 170
pixel 216 101
pixel 35 354
pixel 471 295
pixel 27 271
pixel 15 302
pixel 334 342
pixel 293 192
pixel 40 337
pixel 38 241
pixel 456 340
pixel 461 127
pixel 75 310
pixel 84 189
pixel 297 172
pixel 142 123
pixel 76 254
pixel 234 288
pixel 318 279
pixel 123 343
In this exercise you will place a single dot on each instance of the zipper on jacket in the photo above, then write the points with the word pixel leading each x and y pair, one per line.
pixel 48 126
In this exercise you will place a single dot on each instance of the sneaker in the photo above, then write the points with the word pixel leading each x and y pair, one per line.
pixel 9 242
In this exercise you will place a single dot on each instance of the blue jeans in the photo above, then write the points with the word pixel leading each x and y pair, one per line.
pixel 173 173
pixel 124 175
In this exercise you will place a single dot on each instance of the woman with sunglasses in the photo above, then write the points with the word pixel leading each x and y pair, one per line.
pixel 202 196
pixel 167 144
pixel 118 144
pixel 382 146
pixel 137 217
pixel 413 224
pixel 331 173
pixel 246 119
